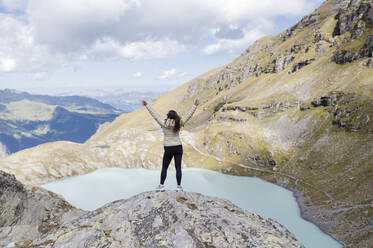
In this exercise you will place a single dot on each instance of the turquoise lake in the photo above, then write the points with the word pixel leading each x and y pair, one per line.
pixel 102 186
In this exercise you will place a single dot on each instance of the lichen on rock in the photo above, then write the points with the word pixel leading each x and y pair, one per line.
pixel 27 213
pixel 38 218
pixel 170 219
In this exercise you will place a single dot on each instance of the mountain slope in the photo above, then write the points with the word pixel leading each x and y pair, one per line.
pixel 294 109
pixel 28 120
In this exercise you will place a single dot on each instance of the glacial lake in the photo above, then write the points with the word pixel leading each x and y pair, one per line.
pixel 102 186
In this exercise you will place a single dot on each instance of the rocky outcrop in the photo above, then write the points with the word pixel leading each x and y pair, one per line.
pixel 329 100
pixel 261 112
pixel 355 19
pixel 349 18
pixel 370 63
pixel 230 118
pixel 26 214
pixel 368 47
pixel 228 75
pixel 169 219
pixel 354 113
pixel 305 22
pixel 300 65
pixel 262 161
pixel 279 64
pixel 350 112
pixel 13 196
pixel 342 56
pixel 38 218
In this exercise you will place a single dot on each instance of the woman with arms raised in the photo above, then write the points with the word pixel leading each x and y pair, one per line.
pixel 171 140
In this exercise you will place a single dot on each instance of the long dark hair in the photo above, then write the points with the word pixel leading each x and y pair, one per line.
pixel 173 115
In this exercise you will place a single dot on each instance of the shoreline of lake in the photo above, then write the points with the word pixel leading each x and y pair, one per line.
pixel 300 201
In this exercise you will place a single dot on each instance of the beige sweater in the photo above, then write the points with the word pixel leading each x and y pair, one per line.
pixel 170 138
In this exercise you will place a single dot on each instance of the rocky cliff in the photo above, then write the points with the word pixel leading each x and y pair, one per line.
pixel 28 212
pixel 152 219
pixel 294 109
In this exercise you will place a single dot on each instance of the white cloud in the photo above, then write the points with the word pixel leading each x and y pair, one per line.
pixel 171 73
pixel 72 25
pixel 18 49
pixel 38 75
pixel 168 74
pixel 57 32
pixel 107 47
pixel 7 64
pixel 151 49
pixel 235 11
pixel 183 74
pixel 231 46
pixel 137 75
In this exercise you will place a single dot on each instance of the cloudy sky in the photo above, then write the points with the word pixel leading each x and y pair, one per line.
pixel 130 44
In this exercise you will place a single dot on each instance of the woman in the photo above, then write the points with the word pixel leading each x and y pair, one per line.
pixel 171 140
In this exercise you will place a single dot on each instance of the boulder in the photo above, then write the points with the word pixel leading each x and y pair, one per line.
pixel 370 63
pixel 348 56
pixel 26 214
pixel 300 65
pixel 169 219
pixel 348 18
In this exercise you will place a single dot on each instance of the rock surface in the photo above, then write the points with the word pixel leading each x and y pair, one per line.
pixel 39 218
pixel 26 214
pixel 169 219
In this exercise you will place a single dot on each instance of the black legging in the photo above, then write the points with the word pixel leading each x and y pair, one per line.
pixel 169 152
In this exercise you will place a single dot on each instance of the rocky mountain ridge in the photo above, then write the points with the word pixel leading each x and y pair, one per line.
pixel 294 109
pixel 73 102
pixel 124 100
pixel 38 218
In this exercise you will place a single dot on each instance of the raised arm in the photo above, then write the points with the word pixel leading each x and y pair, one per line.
pixel 154 114
pixel 190 113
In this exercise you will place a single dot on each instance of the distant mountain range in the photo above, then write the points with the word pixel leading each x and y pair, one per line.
pixel 124 100
pixel 74 102
pixel 27 120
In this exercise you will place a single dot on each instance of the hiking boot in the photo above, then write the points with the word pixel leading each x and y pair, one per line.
pixel 179 188
pixel 160 187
